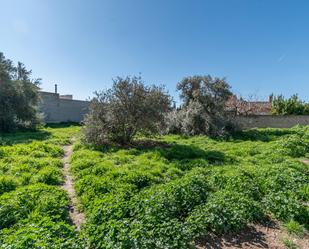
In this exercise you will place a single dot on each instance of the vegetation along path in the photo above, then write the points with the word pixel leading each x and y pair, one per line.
pixel 76 216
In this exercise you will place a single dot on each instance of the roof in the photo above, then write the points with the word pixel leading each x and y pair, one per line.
pixel 245 107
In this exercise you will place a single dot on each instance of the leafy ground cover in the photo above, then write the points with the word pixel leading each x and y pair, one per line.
pixel 33 206
pixel 166 193
pixel 170 193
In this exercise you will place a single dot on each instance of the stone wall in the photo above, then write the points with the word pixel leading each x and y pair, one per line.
pixel 271 121
pixel 56 109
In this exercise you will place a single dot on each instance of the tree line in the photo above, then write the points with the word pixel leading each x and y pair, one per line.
pixel 131 107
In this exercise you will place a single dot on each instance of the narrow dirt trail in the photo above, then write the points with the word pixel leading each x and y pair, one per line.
pixel 76 217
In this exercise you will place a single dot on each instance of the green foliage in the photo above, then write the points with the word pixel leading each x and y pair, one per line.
pixel 225 211
pixel 294 145
pixel 289 244
pixel 42 199
pixel 40 232
pixel 19 96
pixel 33 207
pixel 283 205
pixel 128 108
pixel 163 195
pixel 293 227
pixel 7 183
pixel 291 106
pixel 185 187
pixel 203 110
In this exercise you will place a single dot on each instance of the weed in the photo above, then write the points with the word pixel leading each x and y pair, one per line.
pixel 293 227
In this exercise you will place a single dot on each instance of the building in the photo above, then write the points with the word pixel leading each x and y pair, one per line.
pixel 245 107
pixel 58 108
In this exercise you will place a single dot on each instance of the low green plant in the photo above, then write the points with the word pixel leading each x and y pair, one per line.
pixel 289 244
pixel 167 195
pixel 33 206
pixel 225 211
pixel 293 227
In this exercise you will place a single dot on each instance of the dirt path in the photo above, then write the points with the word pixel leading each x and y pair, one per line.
pixel 76 217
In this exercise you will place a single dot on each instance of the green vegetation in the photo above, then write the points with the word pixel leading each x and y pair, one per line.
pixel 164 194
pixel 289 244
pixel 19 96
pixel 33 207
pixel 293 227
pixel 290 106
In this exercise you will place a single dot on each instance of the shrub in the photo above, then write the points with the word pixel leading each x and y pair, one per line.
pixel 126 109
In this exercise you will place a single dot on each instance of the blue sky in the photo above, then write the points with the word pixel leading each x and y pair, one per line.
pixel 260 46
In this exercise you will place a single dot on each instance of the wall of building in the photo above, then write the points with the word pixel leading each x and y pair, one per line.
pixel 57 109
pixel 270 121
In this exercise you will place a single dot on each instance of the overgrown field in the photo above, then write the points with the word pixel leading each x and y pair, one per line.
pixel 167 194
pixel 33 207
pixel 163 193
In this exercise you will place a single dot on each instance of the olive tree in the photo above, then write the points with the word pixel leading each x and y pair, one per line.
pixel 203 110
pixel 19 97
pixel 129 107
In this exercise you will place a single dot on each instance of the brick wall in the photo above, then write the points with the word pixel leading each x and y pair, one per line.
pixel 56 109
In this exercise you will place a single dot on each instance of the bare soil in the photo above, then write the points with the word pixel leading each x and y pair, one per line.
pixel 254 236
pixel 77 217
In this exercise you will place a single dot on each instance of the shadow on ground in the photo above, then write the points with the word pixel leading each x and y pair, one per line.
pixel 23 137
pixel 173 152
pixel 266 235
pixel 264 135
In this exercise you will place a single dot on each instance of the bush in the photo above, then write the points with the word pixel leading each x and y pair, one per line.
pixel 19 96
pixel 126 109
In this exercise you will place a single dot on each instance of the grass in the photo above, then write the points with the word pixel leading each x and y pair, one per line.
pixel 33 207
pixel 289 244
pixel 293 227
pixel 160 194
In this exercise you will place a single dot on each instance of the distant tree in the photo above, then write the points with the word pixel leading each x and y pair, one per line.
pixel 19 96
pixel 128 108
pixel 203 110
pixel 290 106
pixel 211 93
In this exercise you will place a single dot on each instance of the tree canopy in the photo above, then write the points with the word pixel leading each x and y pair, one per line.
pixel 19 96
pixel 203 109
pixel 128 108
pixel 290 106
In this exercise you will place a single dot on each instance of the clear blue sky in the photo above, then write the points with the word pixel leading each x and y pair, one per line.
pixel 260 46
